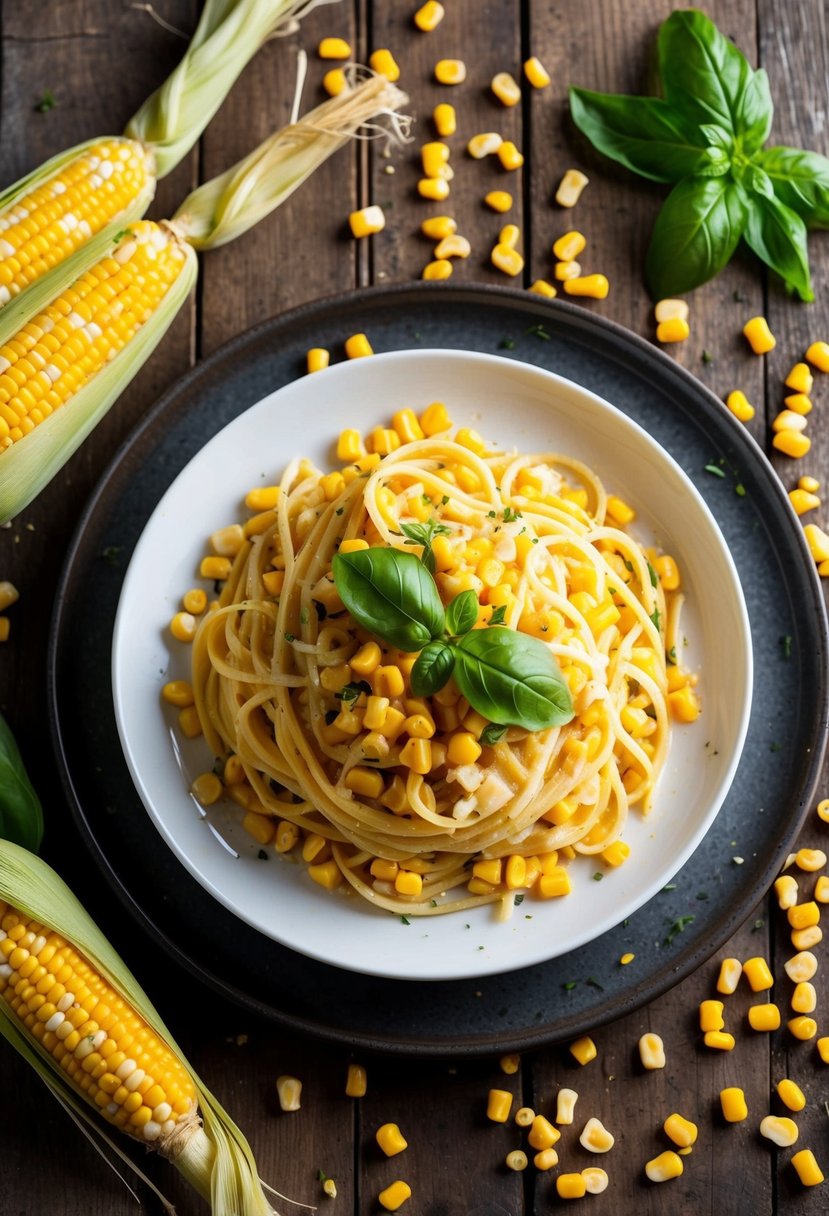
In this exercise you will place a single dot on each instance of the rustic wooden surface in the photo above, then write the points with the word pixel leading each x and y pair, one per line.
pixel 100 59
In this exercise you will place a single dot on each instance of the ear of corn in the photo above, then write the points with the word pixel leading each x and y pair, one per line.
pixel 115 1022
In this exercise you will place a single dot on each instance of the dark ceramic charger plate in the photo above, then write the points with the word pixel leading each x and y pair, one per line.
pixel 761 815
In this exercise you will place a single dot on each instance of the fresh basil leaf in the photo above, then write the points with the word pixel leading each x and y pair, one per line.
pixel 432 669
pixel 512 679
pixel 493 733
pixel 695 234
pixel 705 76
pixel 498 615
pixel 424 534
pixel 21 816
pixel 778 236
pixel 755 111
pixel 391 594
pixel 801 180
pixel 462 613
pixel 644 134
pixel 757 181
pixel 717 137
pixel 349 693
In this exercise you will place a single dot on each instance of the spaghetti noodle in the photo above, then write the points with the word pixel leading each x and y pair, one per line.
pixel 419 804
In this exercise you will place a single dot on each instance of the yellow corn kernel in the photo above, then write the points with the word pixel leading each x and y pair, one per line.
pixel 682 1131
pixel 667 571
pixel 438 227
pixel 568 247
pixel 818 355
pixel 583 1050
pixel 215 568
pixel 798 403
pixel 790 1094
pixel 542 1134
pixel 804 939
pixel 326 874
pixel 781 1130
pixel 386 871
pixel 314 848
pixel 408 883
pixel 802 1027
pixel 390 1139
pixel 437 271
pixel 756 971
pixel 710 1015
pixel 729 974
pixel 233 772
pixel 262 498
pixel 8 595
pixel 788 420
pixel 804 998
pixel 802 916
pixel 565 1105
pixel 554 884
pixel 498 200
pixel 366 782
pixel 429 16
pixel 260 827
pixel 515 874
pixel 392 724
pixel 450 71
pixel 509 156
pixel 818 542
pixel 416 754
pixel 542 288
pixel 563 271
pixel 802 501
pixel 626 958
pixel 801 967
pixel 489 871
pixel 383 62
pixel 183 627
pixel 499 1105
pixel 800 379
pixel 394 1196
pixel 334 48
pixel 810 859
pixel 596 1138
pixel 434 420
pixel 823 1049
pixel 353 546
pixel 674 330
pixel 477 886
pixel 669 310
pixel 506 89
pixel 733 1103
pixel 454 246
pixel 759 336
pixel 509 235
pixel 381 441
pixel 821 891
pixel 287 836
pixel 444 119
pixel 178 693
pixel 616 854
pixel 507 260
pixel 289 1092
pixel 536 73
pixel 684 704
pixel 332 679
pixel 764 1017
pixel 822 807
pixel 206 789
pixel 570 188
pixel 434 188
pixel 664 1167
pixel 334 82
pixel 358 346
pixel 571 1186
pixel 785 888
pixel 510 1065
pixel 619 511
pixel 739 405
pixel 350 446
pixel 366 660
pixel 719 1040
pixel 516 1160
pixel 367 221
pixel 434 158
pixel 595 286
pixel 806 1167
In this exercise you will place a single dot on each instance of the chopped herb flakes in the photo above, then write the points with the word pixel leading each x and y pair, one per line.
pixel 538 331
pixel 570 985
pixel 653 576
pixel 350 693
pixel 758 924
pixel 714 470
pixel 47 102
pixel 707 357
pixel 506 344
pixel 594 983
pixel 262 855
pixel 786 646
pixel 679 926
pixel 598 876
pixel 404 920
pixel 289 637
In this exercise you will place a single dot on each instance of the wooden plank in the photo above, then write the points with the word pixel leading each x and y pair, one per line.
pixel 488 42
pixel 303 249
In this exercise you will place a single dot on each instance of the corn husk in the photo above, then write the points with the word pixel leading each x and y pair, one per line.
pixel 216 1158
pixel 228 35
pixel 229 204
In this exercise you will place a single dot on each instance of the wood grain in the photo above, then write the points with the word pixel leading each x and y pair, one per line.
pixel 100 60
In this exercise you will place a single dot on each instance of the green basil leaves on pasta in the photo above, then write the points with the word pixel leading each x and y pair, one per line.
pixel 21 816
pixel 508 677
pixel 706 133
pixel 424 534
pixel 392 595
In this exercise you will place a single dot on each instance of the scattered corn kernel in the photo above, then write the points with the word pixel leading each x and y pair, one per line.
pixel 595 286
pixel 445 119
pixel 391 1139
pixel 516 1160
pixel 823 806
pixel 437 271
pixel 596 1138
pixel 682 1131
pixel 450 71
pixel 785 888
pixel 317 359
pixel 821 891
pixel 626 958
pixel 759 336
pixel 509 235
pixel 334 48
pixel 802 1027
pixel 183 626
pixel 438 227
pixel 563 271
pixel 570 188
pixel 804 939
pixel 334 82
pixel 810 859
pixel 788 420
pixel 764 1017
pixel 818 355
pixel 524 1116
pixel 429 16
pixel 733 1103
pixel 802 916
pixel 358 346
pixel 542 288
pixel 207 789
pixel 674 330
pixel 719 1040
pixel 454 246
pixel 670 310
pixel 394 1196
pixel 329 1187
pixel 509 156
pixel 547 1159
pixel 8 595
pixel 569 246
pixel 781 1130
pixel 798 403
pixel 434 157
pixel 804 998
pixel 800 379
pixel 710 1015
pixel 506 89
pixel 651 1051
pixel 536 73
pixel 498 200
pixel 5 628
pixel 367 221
pixel 664 1167
pixel 571 1186
pixel 739 405
pixel 595 1180
pixel 289 1092
pixel 583 1050
pixel 178 693
pixel 803 501
pixel 510 1064
pixel 383 62
pixel 507 260
pixel 499 1105
pixel 542 1134
pixel 756 971
pixel 434 420
pixel 730 971
pixel 565 1105
pixel 790 1094
pixel 818 542
pixel 434 188
pixel 356 1081
pixel 807 1168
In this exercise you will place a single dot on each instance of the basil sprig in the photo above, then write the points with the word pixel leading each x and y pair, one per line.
pixel 706 135
pixel 21 816
pixel 508 677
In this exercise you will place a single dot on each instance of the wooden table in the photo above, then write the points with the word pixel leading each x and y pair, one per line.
pixel 100 60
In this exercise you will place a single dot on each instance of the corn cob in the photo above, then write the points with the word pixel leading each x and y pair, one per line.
pixel 70 354
pixel 73 1010
pixel 102 185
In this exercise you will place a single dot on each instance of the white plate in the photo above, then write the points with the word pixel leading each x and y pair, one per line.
pixel 512 404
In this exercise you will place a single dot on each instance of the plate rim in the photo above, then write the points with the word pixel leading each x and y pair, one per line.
pixel 686 960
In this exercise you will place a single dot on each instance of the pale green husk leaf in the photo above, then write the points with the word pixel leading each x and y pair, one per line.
pixel 228 35
pixel 31 463
pixel 218 1161
pixel 229 204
